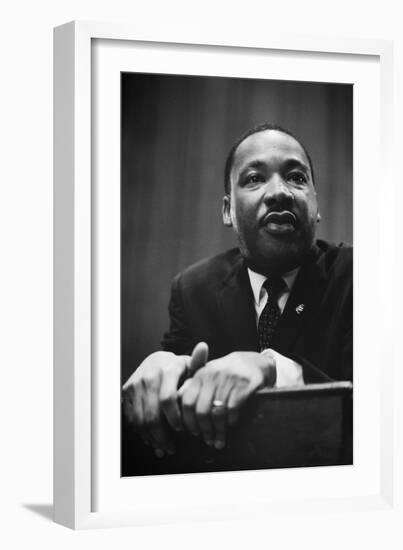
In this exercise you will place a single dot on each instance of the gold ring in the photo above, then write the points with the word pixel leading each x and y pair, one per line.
pixel 218 404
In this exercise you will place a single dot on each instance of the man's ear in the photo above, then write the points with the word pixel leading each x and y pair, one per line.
pixel 226 211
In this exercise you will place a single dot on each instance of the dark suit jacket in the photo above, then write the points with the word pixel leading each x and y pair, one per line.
pixel 212 301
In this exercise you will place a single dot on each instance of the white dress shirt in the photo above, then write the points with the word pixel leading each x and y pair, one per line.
pixel 289 373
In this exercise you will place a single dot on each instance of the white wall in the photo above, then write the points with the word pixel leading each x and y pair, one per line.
pixel 26 268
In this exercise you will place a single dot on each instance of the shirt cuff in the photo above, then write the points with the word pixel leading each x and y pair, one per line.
pixel 288 372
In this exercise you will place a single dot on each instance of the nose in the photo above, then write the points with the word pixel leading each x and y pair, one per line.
pixel 277 191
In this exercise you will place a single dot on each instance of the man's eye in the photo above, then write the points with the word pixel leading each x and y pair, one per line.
pixel 253 178
pixel 297 177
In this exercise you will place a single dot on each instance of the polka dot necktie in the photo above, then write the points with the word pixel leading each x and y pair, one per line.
pixel 271 312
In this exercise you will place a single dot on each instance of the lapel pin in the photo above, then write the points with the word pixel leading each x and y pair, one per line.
pixel 299 309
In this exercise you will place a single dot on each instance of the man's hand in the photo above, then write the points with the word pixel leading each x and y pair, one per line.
pixel 150 395
pixel 212 399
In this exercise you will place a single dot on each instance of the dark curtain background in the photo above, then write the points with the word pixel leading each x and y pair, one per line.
pixel 176 132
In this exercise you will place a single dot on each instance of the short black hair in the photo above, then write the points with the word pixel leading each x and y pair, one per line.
pixel 259 128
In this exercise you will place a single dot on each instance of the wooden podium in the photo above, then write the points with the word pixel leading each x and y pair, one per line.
pixel 310 425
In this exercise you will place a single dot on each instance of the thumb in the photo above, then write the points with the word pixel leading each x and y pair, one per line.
pixel 199 357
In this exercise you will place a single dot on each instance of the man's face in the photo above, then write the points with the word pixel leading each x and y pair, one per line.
pixel 272 206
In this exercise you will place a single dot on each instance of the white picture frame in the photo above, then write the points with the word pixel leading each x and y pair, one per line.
pixel 78 431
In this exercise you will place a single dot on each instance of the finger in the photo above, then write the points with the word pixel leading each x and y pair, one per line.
pixel 185 372
pixel 204 409
pixel 236 399
pixel 219 414
pixel 199 358
pixel 168 397
pixel 128 403
pixel 188 400
pixel 153 426
pixel 182 390
pixel 133 411
pixel 133 407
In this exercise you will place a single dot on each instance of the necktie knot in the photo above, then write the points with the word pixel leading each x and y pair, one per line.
pixel 273 286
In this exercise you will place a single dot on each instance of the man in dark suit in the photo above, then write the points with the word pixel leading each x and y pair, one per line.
pixel 275 312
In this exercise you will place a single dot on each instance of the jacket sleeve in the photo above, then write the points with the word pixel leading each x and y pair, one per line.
pixel 313 374
pixel 178 338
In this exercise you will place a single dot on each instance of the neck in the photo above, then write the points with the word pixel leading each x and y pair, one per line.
pixel 276 266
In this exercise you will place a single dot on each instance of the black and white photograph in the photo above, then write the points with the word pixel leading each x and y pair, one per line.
pixel 201 264
pixel 236 274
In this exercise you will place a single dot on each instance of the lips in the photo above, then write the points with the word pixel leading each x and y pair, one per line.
pixel 280 222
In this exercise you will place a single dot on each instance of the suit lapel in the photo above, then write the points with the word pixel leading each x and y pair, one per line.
pixel 238 313
pixel 302 303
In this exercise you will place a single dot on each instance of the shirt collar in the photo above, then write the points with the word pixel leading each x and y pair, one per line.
pixel 257 280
